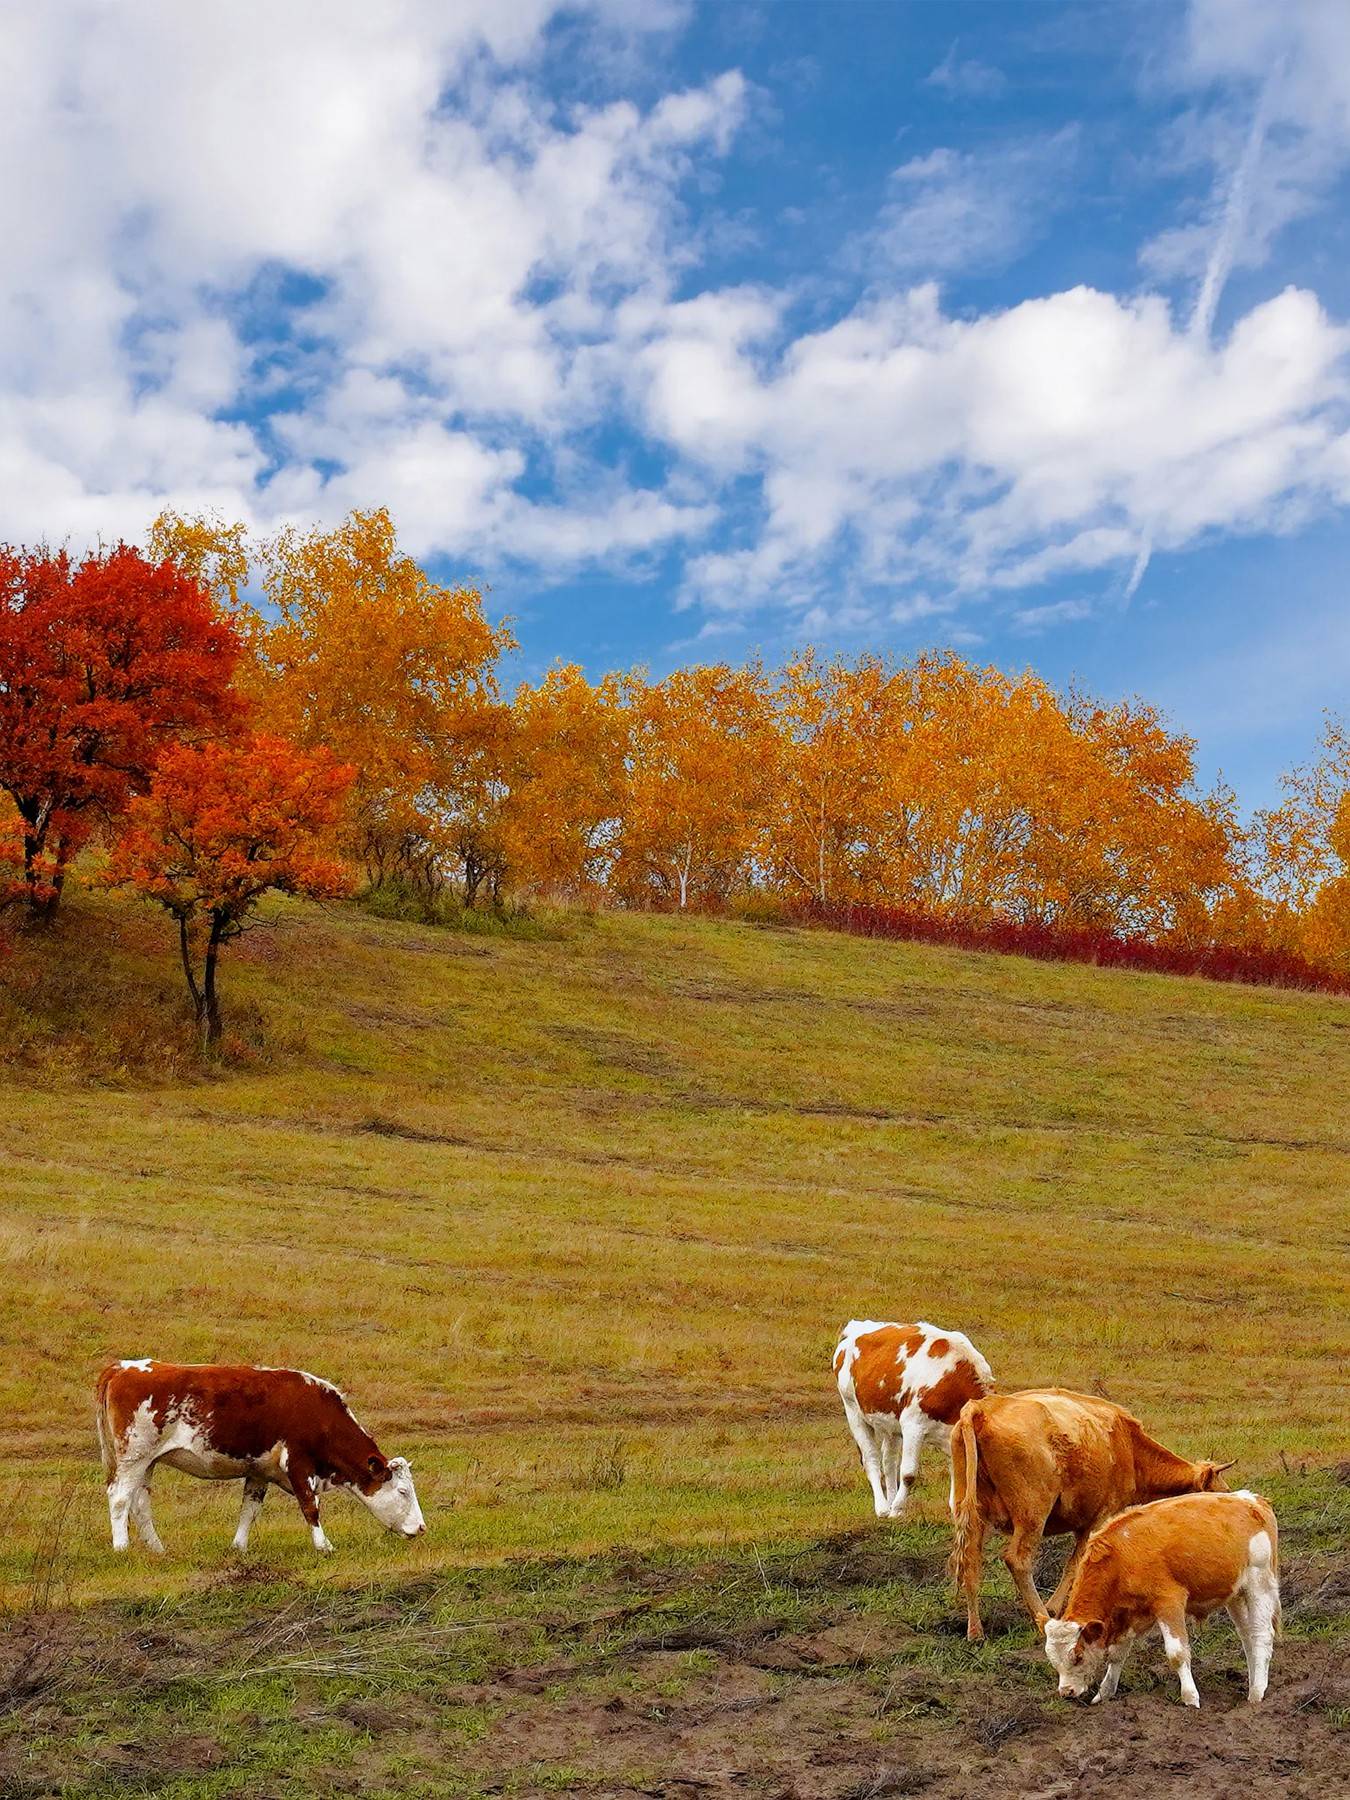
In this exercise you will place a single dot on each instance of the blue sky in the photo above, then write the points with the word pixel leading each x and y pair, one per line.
pixel 701 331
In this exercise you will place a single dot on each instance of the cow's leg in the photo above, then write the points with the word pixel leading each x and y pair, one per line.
pixel 255 1492
pixel 122 1492
pixel 301 1478
pixel 865 1438
pixel 140 1512
pixel 912 1433
pixel 1059 1599
pixel 1178 1647
pixel 1115 1662
pixel 1019 1556
pixel 890 1467
pixel 1253 1613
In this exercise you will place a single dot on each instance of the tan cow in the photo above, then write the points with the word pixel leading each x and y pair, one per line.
pixel 1045 1462
pixel 277 1426
pixel 903 1386
pixel 1160 1565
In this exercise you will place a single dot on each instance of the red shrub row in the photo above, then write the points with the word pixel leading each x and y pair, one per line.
pixel 1051 943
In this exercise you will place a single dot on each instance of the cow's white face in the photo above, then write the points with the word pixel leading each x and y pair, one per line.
pixel 1076 1654
pixel 394 1502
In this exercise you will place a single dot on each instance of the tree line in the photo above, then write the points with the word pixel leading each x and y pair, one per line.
pixel 311 711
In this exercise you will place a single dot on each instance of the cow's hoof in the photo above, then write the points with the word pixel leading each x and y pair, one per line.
pixel 974 1633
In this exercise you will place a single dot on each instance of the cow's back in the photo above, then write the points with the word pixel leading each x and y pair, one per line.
pixel 1198 1543
pixel 238 1412
pixel 887 1367
pixel 1048 1449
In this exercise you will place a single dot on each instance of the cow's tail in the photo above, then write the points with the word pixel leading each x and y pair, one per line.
pixel 103 1422
pixel 965 1499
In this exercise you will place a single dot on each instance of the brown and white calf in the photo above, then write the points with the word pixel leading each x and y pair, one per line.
pixel 903 1386
pixel 264 1426
pixel 1044 1462
pixel 1160 1565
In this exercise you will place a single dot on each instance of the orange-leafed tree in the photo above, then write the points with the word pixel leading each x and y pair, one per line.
pixel 702 752
pixel 841 725
pixel 394 672
pixel 1301 854
pixel 222 825
pixel 102 663
pixel 566 780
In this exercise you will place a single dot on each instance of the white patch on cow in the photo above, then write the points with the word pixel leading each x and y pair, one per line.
pixel 321 1540
pixel 1179 1655
pixel 1075 1673
pixel 394 1503
pixel 143 1363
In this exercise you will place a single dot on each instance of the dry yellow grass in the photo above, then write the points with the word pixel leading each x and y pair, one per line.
pixel 574 1217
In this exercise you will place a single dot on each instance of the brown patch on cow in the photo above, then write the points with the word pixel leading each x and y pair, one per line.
pixel 939 1347
pixel 839 1359
pixel 881 1354
pixel 951 1391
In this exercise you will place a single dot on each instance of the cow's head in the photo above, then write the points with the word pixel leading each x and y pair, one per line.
pixel 1076 1651
pixel 389 1493
pixel 1209 1477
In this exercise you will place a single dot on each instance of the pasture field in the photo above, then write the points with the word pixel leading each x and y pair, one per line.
pixel 572 1211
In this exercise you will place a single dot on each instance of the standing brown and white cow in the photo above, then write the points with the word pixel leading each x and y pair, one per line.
pixel 903 1386
pixel 1044 1462
pixel 277 1426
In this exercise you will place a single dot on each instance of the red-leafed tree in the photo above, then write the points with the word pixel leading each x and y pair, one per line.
pixel 221 826
pixel 102 662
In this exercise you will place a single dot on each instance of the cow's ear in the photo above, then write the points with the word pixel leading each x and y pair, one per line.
pixel 1212 1473
pixel 1091 1632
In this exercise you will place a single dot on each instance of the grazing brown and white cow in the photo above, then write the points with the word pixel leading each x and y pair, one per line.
pixel 1160 1565
pixel 278 1426
pixel 903 1386
pixel 1045 1462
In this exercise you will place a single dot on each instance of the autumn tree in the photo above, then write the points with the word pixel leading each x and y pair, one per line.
pixel 222 825
pixel 566 783
pixel 1301 854
pixel 700 767
pixel 838 723
pixel 394 672
pixel 102 663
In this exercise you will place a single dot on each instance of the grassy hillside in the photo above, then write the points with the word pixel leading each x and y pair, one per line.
pixel 573 1216
pixel 573 1213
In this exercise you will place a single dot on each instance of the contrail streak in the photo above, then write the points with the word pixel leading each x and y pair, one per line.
pixel 1218 267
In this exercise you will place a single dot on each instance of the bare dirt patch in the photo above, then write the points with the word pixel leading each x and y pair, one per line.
pixel 831 1671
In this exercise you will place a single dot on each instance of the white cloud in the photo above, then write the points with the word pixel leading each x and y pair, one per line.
pixel 279 270
pixel 954 210
pixel 967 78
pixel 1055 612
pixel 1290 63
pixel 992 452
pixel 465 249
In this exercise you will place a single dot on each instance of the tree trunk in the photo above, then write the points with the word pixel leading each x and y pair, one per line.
pixel 210 1010
pixel 34 848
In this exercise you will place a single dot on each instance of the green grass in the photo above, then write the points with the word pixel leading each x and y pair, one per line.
pixel 574 1213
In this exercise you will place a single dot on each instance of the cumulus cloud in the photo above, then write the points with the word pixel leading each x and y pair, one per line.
pixel 995 451
pixel 279 266
pixel 444 253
